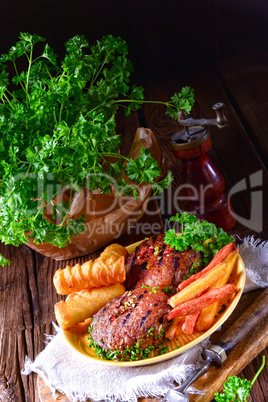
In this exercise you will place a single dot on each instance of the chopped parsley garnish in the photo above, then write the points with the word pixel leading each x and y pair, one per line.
pixel 166 289
pixel 150 332
pixel 222 309
pixel 151 288
pixel 163 350
pixel 132 353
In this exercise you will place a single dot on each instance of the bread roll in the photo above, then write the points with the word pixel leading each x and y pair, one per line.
pixel 84 304
pixel 106 270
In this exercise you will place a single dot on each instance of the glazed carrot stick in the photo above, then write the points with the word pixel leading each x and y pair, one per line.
pixel 189 323
pixel 217 259
pixel 175 328
pixel 196 288
pixel 207 315
pixel 197 304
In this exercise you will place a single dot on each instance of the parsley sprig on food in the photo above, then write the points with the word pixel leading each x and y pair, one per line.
pixel 58 129
pixel 201 236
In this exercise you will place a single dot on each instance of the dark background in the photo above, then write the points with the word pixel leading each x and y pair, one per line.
pixel 165 38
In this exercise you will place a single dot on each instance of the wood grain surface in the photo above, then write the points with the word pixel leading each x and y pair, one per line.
pixel 27 296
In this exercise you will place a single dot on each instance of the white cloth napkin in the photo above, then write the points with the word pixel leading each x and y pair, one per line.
pixel 79 379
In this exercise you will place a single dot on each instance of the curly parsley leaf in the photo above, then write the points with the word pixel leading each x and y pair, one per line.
pixel 202 237
pixel 183 100
pixel 4 261
pixel 237 389
pixel 144 168
pixel 162 184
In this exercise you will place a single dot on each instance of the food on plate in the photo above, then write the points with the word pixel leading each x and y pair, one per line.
pixel 175 328
pixel 84 304
pixel 131 325
pixel 208 314
pixel 194 305
pixel 82 326
pixel 173 284
pixel 197 287
pixel 201 314
pixel 107 269
pixel 190 322
pixel 154 263
pixel 217 259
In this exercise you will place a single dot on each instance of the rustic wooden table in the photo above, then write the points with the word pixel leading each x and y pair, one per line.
pixel 27 296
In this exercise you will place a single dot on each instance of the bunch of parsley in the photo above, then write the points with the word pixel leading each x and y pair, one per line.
pixel 201 236
pixel 57 124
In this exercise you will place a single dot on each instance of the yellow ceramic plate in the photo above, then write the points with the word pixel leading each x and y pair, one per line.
pixel 77 337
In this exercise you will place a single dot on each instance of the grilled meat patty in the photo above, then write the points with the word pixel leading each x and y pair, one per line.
pixel 137 315
pixel 155 264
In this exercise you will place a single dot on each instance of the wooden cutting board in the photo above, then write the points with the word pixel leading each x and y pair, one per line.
pixel 213 380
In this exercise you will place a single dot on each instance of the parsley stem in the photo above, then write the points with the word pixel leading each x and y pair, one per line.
pixel 144 101
pixel 40 208
pixel 260 369
pixel 68 209
pixel 37 58
pixel 17 74
pixel 28 74
pixel 116 155
pixel 8 100
pixel 48 73
pixel 54 114
pixel 61 109
pixel 97 73
pixel 133 101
